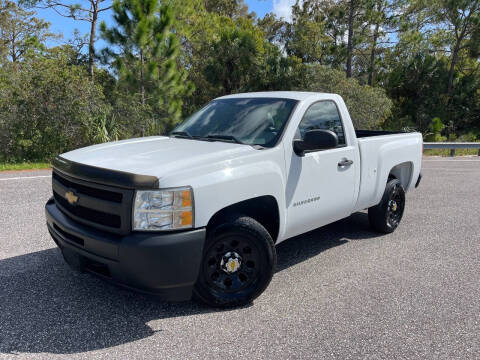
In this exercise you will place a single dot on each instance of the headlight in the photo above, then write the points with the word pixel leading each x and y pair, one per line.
pixel 170 209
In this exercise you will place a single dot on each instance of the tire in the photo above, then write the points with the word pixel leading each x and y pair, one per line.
pixel 239 260
pixel 386 216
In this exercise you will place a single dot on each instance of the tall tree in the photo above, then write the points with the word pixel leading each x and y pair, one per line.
pixel 357 25
pixel 229 8
pixel 310 35
pixel 461 20
pixel 89 11
pixel 273 27
pixel 233 58
pixel 382 17
pixel 328 32
pixel 20 31
pixel 144 52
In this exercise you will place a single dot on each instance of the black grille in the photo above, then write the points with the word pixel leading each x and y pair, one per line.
pixel 105 207
pixel 92 215
pixel 87 190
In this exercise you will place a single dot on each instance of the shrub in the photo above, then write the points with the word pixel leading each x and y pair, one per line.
pixel 369 106
pixel 47 106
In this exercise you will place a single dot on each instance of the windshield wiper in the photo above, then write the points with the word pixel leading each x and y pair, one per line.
pixel 181 134
pixel 212 137
pixel 224 137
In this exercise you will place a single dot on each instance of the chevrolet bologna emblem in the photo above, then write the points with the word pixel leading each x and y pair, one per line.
pixel 71 197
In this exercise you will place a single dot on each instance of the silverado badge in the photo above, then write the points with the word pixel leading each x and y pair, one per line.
pixel 71 197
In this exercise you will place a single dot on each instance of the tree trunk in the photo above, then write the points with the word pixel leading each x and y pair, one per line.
pixel 13 50
pixel 142 89
pixel 91 44
pixel 371 72
pixel 351 15
pixel 142 85
pixel 451 72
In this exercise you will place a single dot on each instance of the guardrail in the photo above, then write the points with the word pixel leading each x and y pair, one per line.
pixel 452 146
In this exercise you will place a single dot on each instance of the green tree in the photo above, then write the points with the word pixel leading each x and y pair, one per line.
pixel 224 54
pixel 89 11
pixel 228 8
pixel 418 87
pixel 329 32
pixel 47 106
pixel 144 52
pixel 369 106
pixel 20 31
pixel 354 11
pixel 277 72
pixel 461 19
pixel 383 19
pixel 234 57
pixel 273 28
pixel 315 32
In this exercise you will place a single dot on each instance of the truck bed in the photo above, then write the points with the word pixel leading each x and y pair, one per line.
pixel 369 133
pixel 380 152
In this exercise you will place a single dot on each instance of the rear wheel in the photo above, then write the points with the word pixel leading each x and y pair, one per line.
pixel 386 216
pixel 238 263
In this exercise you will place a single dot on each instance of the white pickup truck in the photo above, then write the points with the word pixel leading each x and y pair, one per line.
pixel 201 210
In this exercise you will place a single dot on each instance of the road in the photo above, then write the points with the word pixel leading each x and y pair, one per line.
pixel 340 292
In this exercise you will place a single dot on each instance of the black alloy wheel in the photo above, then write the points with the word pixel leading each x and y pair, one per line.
pixel 238 263
pixel 396 205
pixel 386 216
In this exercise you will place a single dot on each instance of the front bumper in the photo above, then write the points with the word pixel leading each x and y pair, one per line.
pixel 164 264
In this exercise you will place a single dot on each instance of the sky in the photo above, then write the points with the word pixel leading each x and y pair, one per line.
pixel 66 26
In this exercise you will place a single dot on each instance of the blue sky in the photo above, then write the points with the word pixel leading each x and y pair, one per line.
pixel 66 26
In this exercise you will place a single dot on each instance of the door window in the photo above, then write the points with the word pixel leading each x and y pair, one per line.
pixel 322 115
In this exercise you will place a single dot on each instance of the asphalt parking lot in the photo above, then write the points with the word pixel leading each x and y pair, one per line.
pixel 340 292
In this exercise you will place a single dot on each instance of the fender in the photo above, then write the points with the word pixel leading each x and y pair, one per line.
pixel 225 183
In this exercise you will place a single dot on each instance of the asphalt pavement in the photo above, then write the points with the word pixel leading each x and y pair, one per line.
pixel 340 292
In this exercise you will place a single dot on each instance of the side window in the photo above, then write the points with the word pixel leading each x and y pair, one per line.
pixel 322 115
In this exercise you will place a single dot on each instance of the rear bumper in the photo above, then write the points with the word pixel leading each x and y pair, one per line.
pixel 164 264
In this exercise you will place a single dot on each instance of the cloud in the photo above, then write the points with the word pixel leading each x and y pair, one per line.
pixel 283 8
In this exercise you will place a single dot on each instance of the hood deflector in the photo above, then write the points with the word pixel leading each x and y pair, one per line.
pixel 105 176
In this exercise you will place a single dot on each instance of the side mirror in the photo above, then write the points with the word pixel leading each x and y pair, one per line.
pixel 315 140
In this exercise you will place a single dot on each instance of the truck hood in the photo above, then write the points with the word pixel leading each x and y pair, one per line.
pixel 156 155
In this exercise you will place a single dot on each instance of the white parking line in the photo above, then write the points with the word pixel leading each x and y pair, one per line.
pixel 25 177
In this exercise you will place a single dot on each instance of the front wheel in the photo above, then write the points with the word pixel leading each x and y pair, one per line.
pixel 386 216
pixel 239 260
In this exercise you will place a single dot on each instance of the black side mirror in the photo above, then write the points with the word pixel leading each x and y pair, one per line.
pixel 315 140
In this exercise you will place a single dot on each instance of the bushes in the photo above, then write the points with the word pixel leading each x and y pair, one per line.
pixel 47 107
pixel 368 106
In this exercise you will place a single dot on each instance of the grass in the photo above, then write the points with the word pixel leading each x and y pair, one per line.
pixel 446 152
pixel 24 166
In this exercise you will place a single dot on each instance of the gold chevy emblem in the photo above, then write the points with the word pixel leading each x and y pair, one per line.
pixel 71 197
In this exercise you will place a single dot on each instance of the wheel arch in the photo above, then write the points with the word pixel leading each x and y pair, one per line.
pixel 403 172
pixel 263 209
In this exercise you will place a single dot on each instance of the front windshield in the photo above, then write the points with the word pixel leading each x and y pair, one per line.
pixel 252 121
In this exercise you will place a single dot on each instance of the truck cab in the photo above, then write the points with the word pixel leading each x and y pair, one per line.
pixel 200 211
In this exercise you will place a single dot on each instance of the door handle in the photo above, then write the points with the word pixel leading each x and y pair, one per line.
pixel 345 162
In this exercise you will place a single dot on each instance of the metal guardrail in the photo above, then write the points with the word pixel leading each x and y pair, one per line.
pixel 452 146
